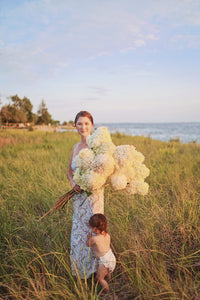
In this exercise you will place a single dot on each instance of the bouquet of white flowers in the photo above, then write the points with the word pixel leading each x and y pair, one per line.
pixel 104 162
pixel 123 165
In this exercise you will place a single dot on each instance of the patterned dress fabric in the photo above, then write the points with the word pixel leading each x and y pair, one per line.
pixel 83 261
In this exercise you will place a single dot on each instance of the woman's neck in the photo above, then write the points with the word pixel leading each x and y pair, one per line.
pixel 83 140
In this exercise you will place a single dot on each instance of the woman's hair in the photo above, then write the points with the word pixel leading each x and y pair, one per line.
pixel 99 221
pixel 84 113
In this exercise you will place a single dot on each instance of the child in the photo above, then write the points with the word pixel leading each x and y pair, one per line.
pixel 100 243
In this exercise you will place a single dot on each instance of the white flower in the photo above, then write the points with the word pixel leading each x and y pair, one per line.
pixel 129 172
pixel 89 180
pixel 95 181
pixel 79 176
pixel 118 181
pixel 104 164
pixel 139 187
pixel 107 148
pixel 84 158
pixel 137 156
pixel 123 155
pixel 141 171
pixel 100 136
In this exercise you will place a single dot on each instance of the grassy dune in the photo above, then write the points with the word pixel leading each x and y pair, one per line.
pixel 155 238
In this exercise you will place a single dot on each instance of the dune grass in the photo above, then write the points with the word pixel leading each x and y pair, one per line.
pixel 155 238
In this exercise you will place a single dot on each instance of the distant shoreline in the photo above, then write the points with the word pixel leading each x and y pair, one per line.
pixel 52 128
pixel 184 132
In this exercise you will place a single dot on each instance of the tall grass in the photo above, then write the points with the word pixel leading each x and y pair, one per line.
pixel 155 238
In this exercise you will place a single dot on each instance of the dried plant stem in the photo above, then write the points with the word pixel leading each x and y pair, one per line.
pixel 61 202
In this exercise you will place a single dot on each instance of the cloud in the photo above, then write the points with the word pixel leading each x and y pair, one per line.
pixel 194 18
pixel 44 37
pixel 99 90
pixel 39 35
pixel 187 40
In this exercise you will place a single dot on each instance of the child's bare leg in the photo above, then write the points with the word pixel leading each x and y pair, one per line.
pixel 109 276
pixel 101 273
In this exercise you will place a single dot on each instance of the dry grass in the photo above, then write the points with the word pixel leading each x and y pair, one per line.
pixel 155 238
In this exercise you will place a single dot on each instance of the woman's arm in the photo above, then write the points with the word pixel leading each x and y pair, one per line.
pixel 70 171
pixel 70 174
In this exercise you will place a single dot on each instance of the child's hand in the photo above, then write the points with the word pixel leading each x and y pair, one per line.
pixel 88 239
pixel 89 235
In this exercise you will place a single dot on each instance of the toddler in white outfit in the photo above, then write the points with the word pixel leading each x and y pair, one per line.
pixel 100 243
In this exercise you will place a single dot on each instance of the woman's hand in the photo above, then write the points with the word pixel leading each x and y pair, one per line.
pixel 77 188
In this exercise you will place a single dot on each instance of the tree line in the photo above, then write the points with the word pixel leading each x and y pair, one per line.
pixel 20 111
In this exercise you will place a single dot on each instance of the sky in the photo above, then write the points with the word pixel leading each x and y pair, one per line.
pixel 121 60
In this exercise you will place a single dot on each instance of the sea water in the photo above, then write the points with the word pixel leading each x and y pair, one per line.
pixel 185 132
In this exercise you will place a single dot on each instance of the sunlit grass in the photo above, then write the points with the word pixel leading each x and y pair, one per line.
pixel 155 238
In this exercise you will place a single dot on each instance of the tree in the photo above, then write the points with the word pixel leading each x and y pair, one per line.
pixel 71 123
pixel 27 107
pixel 12 114
pixel 20 111
pixel 55 122
pixel 6 114
pixel 35 118
pixel 17 102
pixel 23 107
pixel 20 116
pixel 43 115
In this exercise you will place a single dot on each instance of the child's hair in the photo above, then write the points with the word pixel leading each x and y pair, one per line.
pixel 99 221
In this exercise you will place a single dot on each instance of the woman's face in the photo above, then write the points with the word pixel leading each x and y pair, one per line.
pixel 84 126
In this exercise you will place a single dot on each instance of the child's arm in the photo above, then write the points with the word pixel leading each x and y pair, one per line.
pixel 90 240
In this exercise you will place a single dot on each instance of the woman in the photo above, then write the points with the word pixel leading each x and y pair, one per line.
pixel 83 260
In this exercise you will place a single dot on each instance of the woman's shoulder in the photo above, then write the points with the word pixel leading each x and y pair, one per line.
pixel 75 147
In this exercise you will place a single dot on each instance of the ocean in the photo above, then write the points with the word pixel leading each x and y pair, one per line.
pixel 185 132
